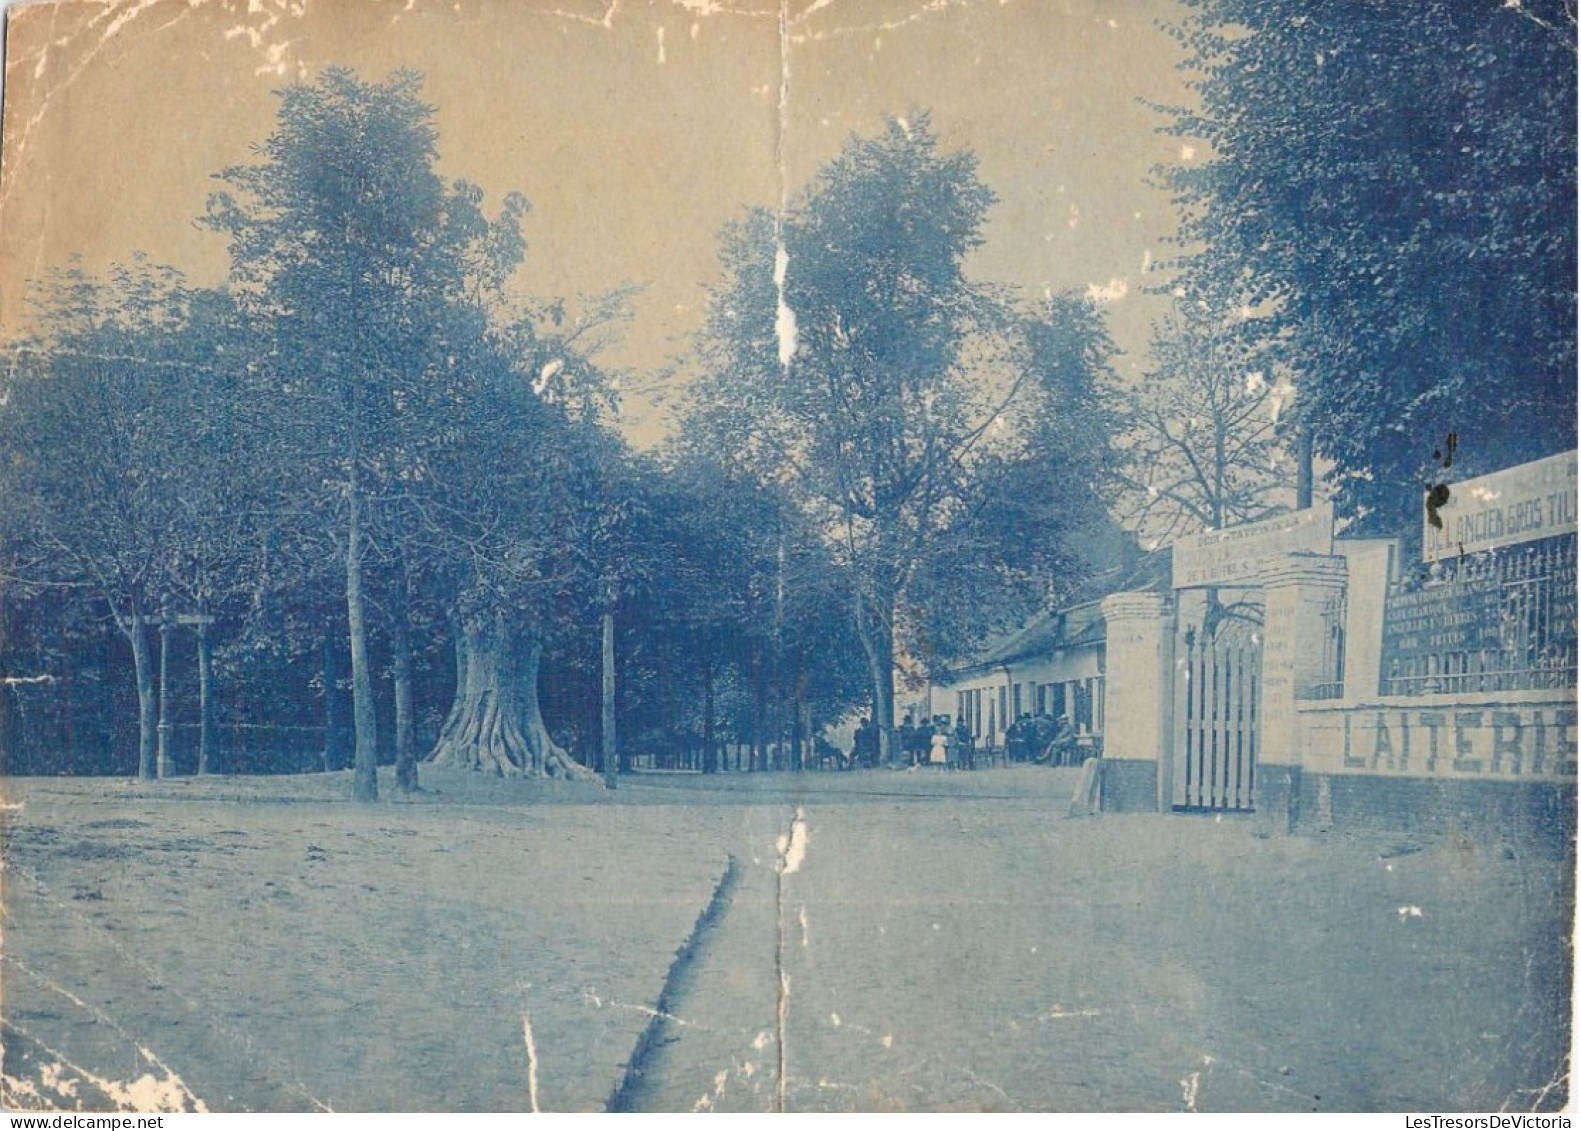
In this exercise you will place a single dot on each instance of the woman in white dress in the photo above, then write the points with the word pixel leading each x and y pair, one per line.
pixel 939 752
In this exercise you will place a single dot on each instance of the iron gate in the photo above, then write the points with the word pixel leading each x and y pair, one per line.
pixel 1217 727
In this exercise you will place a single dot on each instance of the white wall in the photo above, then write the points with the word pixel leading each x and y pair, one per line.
pixel 1081 664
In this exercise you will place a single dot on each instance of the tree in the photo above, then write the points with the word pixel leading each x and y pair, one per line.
pixel 1389 195
pixel 739 595
pixel 106 419
pixel 361 393
pixel 850 360
pixel 225 506
pixel 1203 445
pixel 1019 542
pixel 372 275
pixel 1202 442
pixel 518 504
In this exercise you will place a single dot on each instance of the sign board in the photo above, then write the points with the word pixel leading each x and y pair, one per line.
pixel 1460 617
pixel 1237 554
pixel 1520 504
pixel 1497 621
pixel 1532 741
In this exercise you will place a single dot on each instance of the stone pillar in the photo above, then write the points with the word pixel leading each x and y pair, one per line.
pixel 1138 702
pixel 1296 589
pixel 1367 586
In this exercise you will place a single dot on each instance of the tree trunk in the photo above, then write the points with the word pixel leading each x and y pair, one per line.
pixel 809 750
pixel 1303 467
pixel 401 676
pixel 365 768
pixel 205 700
pixel 494 724
pixel 875 628
pixel 606 729
pixel 801 730
pixel 11 761
pixel 709 754
pixel 147 706
pixel 67 719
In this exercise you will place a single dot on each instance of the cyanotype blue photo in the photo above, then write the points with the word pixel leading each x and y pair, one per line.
pixel 829 555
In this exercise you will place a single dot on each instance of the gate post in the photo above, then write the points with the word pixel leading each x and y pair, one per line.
pixel 1139 707
pixel 1367 588
pixel 1296 589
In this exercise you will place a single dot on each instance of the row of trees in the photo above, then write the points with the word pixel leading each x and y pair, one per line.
pixel 359 448
pixel 365 453
pixel 363 460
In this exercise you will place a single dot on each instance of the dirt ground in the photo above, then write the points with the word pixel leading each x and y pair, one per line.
pixel 890 940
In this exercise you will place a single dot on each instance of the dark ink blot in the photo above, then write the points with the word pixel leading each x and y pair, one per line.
pixel 1437 496
pixel 1438 493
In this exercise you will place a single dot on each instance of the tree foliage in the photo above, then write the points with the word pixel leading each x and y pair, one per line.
pixel 372 276
pixel 852 362
pixel 113 417
pixel 741 610
pixel 1202 443
pixel 1017 543
pixel 1388 198
pixel 361 402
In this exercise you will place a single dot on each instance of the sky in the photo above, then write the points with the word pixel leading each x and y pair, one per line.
pixel 636 129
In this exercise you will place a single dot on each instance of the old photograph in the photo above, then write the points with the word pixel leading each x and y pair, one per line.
pixel 788 556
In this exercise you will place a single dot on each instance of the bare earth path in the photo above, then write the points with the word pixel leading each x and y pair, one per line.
pixel 947 941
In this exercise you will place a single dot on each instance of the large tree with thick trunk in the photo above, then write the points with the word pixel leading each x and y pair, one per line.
pixel 517 508
pixel 359 400
pixel 514 520
pixel 495 724
pixel 372 276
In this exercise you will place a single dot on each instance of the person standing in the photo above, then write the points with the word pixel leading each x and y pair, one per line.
pixel 1066 750
pixel 864 751
pixel 939 752
pixel 965 745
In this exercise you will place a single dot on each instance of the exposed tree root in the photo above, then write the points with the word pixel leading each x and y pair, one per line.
pixel 495 725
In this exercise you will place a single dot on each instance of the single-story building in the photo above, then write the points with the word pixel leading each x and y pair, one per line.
pixel 1053 665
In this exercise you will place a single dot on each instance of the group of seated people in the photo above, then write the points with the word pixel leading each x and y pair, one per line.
pixel 1042 739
